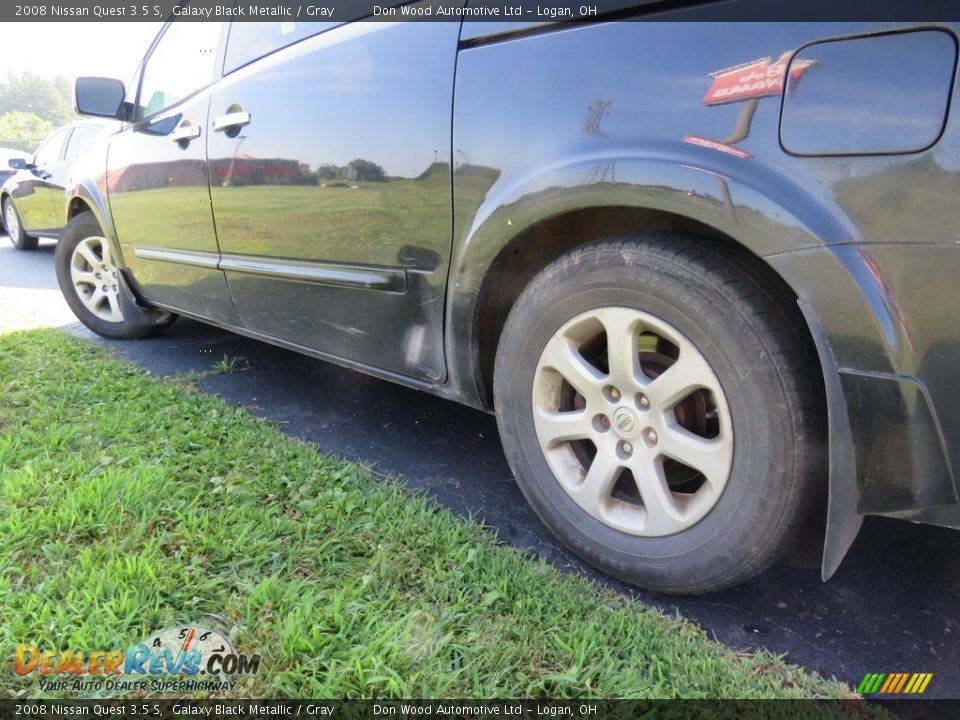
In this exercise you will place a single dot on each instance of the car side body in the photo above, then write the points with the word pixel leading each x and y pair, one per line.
pixel 320 194
pixel 37 191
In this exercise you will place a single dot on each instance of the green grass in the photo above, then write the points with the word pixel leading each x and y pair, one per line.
pixel 227 365
pixel 131 504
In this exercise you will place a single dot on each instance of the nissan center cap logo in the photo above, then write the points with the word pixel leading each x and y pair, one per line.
pixel 625 421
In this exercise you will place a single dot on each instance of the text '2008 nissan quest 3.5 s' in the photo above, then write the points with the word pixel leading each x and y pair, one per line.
pixel 706 275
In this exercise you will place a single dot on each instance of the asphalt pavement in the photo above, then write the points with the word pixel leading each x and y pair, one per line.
pixel 892 606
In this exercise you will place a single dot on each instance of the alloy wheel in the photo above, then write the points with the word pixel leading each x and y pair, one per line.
pixel 632 421
pixel 12 221
pixel 96 279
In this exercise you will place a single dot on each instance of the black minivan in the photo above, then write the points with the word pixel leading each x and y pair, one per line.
pixel 704 273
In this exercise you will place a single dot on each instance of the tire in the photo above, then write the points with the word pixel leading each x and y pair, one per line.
pixel 95 288
pixel 14 227
pixel 725 455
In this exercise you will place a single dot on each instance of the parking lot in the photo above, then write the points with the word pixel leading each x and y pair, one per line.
pixel 891 607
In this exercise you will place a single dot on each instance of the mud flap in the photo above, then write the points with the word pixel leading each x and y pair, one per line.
pixel 133 312
pixel 843 520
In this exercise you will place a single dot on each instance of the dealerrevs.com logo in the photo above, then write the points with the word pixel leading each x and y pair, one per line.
pixel 174 659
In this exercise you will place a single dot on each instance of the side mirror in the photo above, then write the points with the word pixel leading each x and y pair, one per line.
pixel 99 97
pixel 18 163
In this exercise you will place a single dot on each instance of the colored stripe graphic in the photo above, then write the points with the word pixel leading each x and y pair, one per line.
pixel 894 683
pixel 901 682
pixel 870 683
pixel 891 680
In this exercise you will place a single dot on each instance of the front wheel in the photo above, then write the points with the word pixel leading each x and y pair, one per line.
pixel 11 220
pixel 94 287
pixel 660 411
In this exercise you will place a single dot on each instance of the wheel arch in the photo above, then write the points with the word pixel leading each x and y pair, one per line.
pixel 531 250
pixel 671 185
pixel 86 196
pixel 757 218
pixel 77 205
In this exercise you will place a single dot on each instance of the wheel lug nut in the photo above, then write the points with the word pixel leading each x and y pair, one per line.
pixel 98 276
pixel 605 421
pixel 643 401
pixel 104 288
pixel 650 437
pixel 627 448
pixel 611 393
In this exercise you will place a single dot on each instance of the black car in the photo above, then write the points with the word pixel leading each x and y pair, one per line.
pixel 32 197
pixel 703 273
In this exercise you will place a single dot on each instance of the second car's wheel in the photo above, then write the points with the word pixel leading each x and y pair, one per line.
pixel 11 220
pixel 661 411
pixel 94 288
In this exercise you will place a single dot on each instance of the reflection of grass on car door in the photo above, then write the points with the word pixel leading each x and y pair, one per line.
pixel 331 223
pixel 362 224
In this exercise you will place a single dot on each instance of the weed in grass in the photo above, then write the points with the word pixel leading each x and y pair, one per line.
pixel 227 365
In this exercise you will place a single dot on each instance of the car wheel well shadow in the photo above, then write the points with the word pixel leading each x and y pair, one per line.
pixel 536 247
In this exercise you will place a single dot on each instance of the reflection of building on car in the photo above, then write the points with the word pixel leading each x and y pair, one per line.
pixel 239 171
pixel 708 289
pixel 32 198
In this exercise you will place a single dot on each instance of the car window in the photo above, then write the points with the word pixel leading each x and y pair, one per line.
pixel 80 140
pixel 251 40
pixel 181 63
pixel 49 151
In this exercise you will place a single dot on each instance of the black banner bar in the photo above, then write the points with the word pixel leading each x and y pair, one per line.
pixel 512 11
pixel 147 709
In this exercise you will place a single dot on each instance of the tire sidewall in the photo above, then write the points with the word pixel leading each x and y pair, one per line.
pixel 750 385
pixel 20 239
pixel 79 228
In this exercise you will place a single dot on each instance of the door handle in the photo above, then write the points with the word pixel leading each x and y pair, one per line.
pixel 185 133
pixel 231 121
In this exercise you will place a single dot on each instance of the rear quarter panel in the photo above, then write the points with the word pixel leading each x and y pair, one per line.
pixel 614 114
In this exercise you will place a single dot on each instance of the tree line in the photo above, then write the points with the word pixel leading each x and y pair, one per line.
pixel 31 107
